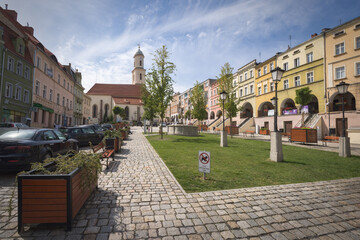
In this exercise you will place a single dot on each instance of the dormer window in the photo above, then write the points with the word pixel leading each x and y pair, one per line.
pixel 357 26
pixel 20 48
pixel 337 34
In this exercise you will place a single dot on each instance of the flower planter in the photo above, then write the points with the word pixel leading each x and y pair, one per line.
pixel 234 130
pixel 264 132
pixel 51 198
pixel 303 135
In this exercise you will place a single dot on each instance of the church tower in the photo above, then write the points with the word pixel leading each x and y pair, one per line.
pixel 138 73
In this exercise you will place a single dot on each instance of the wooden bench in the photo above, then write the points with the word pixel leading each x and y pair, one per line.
pixel 105 154
pixel 326 139
pixel 248 132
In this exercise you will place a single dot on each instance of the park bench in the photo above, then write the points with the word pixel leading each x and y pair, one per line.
pixel 248 132
pixel 105 154
pixel 326 139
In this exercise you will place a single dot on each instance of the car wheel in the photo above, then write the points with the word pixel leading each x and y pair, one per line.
pixel 46 156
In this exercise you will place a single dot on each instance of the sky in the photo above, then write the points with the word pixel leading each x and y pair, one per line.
pixel 100 38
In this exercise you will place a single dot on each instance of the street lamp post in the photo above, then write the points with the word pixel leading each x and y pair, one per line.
pixel 344 142
pixel 223 142
pixel 276 153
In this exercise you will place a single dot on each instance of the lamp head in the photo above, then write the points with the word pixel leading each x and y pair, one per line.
pixel 223 95
pixel 273 101
pixel 277 74
pixel 342 87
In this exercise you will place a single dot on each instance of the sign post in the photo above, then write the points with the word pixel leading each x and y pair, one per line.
pixel 204 162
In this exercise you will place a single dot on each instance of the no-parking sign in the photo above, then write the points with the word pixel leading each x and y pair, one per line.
pixel 204 162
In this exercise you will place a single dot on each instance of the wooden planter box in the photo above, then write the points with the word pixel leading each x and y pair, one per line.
pixel 264 132
pixel 51 198
pixel 124 135
pixel 234 130
pixel 303 135
pixel 203 128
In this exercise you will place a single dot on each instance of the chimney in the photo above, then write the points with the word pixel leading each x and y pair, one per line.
pixel 29 30
pixel 6 6
pixel 313 35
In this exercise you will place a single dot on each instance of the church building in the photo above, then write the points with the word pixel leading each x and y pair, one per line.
pixel 104 97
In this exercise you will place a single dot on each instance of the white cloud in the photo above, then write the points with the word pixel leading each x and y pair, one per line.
pixel 202 35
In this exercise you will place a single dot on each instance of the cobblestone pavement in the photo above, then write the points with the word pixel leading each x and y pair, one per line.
pixel 138 198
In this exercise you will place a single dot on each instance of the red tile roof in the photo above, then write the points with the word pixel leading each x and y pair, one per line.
pixel 130 101
pixel 116 90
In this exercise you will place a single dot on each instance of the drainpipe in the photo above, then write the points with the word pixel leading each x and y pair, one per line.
pixel 326 96
pixel 2 73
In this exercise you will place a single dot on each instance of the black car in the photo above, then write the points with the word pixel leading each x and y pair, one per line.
pixel 20 147
pixel 107 126
pixel 95 127
pixel 83 134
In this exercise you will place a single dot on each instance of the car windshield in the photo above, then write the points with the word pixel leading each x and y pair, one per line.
pixel 18 134
pixel 60 135
pixel 98 128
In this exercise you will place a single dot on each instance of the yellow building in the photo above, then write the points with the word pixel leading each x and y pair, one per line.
pixel 343 64
pixel 303 65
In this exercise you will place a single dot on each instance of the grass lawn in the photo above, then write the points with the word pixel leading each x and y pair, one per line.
pixel 245 163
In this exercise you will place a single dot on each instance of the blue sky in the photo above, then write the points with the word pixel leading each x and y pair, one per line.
pixel 100 37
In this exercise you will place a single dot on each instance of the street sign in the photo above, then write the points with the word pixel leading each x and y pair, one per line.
pixel 204 162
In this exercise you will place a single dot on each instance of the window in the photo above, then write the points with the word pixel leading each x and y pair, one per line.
pixel 44 91
pixel 140 65
pixel 94 113
pixel 38 62
pixel 51 95
pixel 246 92
pixel 296 81
pixel 9 90
pixel 63 102
pixel 296 62
pixel 26 96
pixel 245 76
pixel 357 69
pixel 271 87
pixel 265 70
pixel 27 73
pixel 310 77
pixel 339 72
pixel 339 33
pixel 357 43
pixel 286 84
pixel 286 66
pixel 259 90
pixel 11 63
pixel 21 48
pixel 339 48
pixel 241 92
pixel 58 99
pixel 45 67
pixel 37 88
pixel 234 83
pixel 251 73
pixel 271 66
pixel 19 68
pixel 67 103
pixel 251 89
pixel 265 88
pixel 18 93
pixel 241 78
pixel 64 83
pixel 309 57
pixel 259 72
pixel 58 78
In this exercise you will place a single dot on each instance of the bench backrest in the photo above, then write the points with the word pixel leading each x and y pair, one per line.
pixel 98 147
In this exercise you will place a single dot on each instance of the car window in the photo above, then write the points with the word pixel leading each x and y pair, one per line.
pixel 60 135
pixel 49 135
pixel 76 130
pixel 88 130
pixel 6 125
pixel 18 134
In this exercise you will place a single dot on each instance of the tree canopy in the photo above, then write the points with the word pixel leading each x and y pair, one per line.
pixel 303 97
pixel 198 102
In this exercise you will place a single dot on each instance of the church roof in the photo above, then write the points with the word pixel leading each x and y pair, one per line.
pixel 116 90
pixel 131 101
pixel 139 52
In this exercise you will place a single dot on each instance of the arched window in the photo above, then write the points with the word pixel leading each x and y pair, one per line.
pixel 140 62
pixel 126 113
pixel 94 108
pixel 140 76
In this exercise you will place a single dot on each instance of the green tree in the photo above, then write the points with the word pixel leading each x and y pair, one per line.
pixel 159 78
pixel 188 114
pixel 148 98
pixel 303 97
pixel 231 103
pixel 119 111
pixel 198 102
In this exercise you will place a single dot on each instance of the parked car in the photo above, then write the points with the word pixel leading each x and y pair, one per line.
pixel 21 147
pixel 95 127
pixel 107 126
pixel 13 125
pixel 83 134
pixel 163 124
